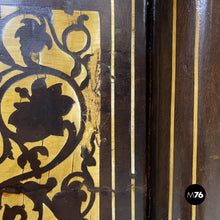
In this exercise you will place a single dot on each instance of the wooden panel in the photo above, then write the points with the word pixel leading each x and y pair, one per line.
pixel 122 113
pixel 72 119
pixel 209 105
pixel 161 97
pixel 47 112
pixel 140 113
pixel 105 160
pixel 183 138
pixel 185 119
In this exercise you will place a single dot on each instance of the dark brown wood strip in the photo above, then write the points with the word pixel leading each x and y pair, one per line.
pixel 184 107
pixel 123 108
pixel 209 110
pixel 140 111
pixel 105 153
pixel 161 98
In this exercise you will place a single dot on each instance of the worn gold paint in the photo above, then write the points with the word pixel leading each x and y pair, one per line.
pixel 55 58
pixel 7 10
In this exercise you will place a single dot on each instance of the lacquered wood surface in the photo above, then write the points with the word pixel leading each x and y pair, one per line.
pixel 194 155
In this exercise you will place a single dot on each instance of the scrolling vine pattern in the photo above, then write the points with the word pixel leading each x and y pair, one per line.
pixel 41 116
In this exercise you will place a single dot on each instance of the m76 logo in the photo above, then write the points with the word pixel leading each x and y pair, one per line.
pixel 195 194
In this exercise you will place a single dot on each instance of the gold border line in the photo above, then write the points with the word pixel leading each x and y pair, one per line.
pixel 172 113
pixel 113 104
pixel 133 109
pixel 195 111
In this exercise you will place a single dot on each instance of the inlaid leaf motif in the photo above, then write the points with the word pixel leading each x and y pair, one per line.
pixel 33 38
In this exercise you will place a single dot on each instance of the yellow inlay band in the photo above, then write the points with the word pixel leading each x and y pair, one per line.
pixel 113 104
pixel 132 199
pixel 133 108
pixel 195 113
pixel 133 89
pixel 172 114
pixel 196 79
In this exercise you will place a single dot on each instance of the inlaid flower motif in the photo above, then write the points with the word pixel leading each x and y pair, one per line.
pixel 42 115
pixel 68 202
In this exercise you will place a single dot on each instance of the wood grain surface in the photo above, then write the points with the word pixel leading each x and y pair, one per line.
pixel 185 119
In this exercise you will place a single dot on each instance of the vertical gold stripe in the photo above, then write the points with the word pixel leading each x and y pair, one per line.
pixel 113 104
pixel 132 199
pixel 133 89
pixel 195 113
pixel 133 108
pixel 172 113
